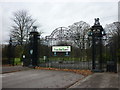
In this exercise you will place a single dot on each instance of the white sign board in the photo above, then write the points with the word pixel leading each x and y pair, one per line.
pixel 61 48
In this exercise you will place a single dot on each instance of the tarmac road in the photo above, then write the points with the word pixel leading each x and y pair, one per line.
pixel 8 69
pixel 60 79
pixel 39 79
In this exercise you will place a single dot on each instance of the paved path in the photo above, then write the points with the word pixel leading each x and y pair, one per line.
pixel 98 80
pixel 39 79
pixel 13 68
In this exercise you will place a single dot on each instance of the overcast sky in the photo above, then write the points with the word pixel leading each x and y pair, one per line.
pixel 53 14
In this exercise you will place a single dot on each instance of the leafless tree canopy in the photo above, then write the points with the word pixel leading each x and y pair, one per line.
pixel 114 40
pixel 79 31
pixel 113 28
pixel 22 26
pixel 117 24
pixel 113 31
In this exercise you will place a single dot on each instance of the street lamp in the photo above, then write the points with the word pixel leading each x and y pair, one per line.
pixel 96 32
pixel 34 39
pixel 11 51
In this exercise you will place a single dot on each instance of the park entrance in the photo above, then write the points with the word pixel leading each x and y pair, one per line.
pixel 76 47
pixel 64 53
pixel 69 50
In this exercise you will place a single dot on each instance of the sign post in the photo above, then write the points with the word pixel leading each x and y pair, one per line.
pixel 61 48
pixel 58 49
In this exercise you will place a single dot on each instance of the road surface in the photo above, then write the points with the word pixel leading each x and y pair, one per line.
pixel 59 79
pixel 99 80
pixel 39 79
pixel 8 69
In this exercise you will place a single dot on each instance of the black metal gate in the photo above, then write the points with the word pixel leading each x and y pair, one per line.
pixel 88 56
pixel 72 60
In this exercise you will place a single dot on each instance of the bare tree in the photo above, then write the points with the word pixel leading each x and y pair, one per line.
pixel 79 33
pixel 21 26
pixel 114 30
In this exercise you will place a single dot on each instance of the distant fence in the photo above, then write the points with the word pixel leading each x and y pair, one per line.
pixel 65 64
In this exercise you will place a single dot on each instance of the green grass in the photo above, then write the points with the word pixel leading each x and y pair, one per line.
pixel 17 61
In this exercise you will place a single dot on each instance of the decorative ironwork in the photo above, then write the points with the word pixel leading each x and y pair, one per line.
pixel 60 34
pixel 67 36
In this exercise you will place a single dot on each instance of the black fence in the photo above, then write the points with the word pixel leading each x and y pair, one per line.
pixel 65 64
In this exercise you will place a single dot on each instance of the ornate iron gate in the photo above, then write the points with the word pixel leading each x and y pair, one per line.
pixel 62 36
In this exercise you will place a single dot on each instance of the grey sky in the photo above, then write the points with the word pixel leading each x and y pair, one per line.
pixel 51 15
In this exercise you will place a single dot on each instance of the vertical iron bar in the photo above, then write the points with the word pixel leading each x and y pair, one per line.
pixel 93 52
pixel 100 59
